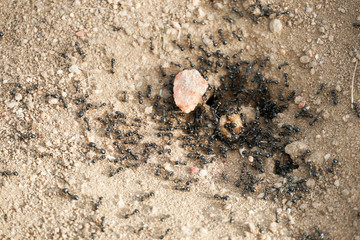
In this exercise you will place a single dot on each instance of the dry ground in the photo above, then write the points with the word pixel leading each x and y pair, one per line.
pixel 37 33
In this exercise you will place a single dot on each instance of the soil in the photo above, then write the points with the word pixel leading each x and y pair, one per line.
pixel 66 47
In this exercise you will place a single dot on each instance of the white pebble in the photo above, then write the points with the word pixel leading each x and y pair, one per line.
pixel 327 156
pixel 18 96
pixel 305 59
pixel 20 113
pixel 120 203
pixel 53 101
pixel 60 72
pixel 206 39
pixel 203 173
pixel 275 26
pixel 148 110
pixel 12 104
pixel 74 69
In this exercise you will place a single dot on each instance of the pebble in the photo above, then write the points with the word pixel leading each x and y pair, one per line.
pixel 120 203
pixel 337 183
pixel 18 96
pixel 325 114
pixel 345 192
pixel 303 206
pixel 75 69
pixel 275 26
pixel 176 25
pixel 308 9
pixel 53 101
pixel 12 104
pixel 203 173
pixel 206 39
pixel 148 110
pixel 327 156
pixel 189 87
pixel 342 10
pixel 296 149
pixel 273 227
pixel 305 59
pixel 316 158
pixel 218 6
pixel 310 183
pixel 20 113
pixel 298 99
pixel 80 34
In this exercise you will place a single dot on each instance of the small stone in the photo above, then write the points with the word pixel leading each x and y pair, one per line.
pixel 75 69
pixel 330 209
pixel 273 227
pixel 345 192
pixel 338 88
pixel 218 6
pixel 53 101
pixel 298 99
pixel 120 203
pixel 20 113
pixel 275 26
pixel 327 156
pixel 310 183
pixel 308 9
pixel 60 72
pixel 148 110
pixel 316 158
pixel 203 173
pixel 189 87
pixel 250 227
pixel 176 25
pixel 18 96
pixel 325 114
pixel 302 104
pixel 12 104
pixel 337 183
pixel 305 59
pixel 303 206
pixel 80 34
pixel 342 10
pixel 206 39
pixel 296 149
pixel 194 170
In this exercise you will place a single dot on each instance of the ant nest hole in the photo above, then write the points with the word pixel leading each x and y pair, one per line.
pixel 231 124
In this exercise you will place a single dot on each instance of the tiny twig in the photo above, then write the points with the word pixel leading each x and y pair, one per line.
pixel 163 42
pixel 352 85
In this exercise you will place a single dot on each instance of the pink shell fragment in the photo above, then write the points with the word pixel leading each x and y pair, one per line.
pixel 189 87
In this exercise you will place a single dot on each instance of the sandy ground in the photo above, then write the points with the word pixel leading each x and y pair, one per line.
pixel 65 48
